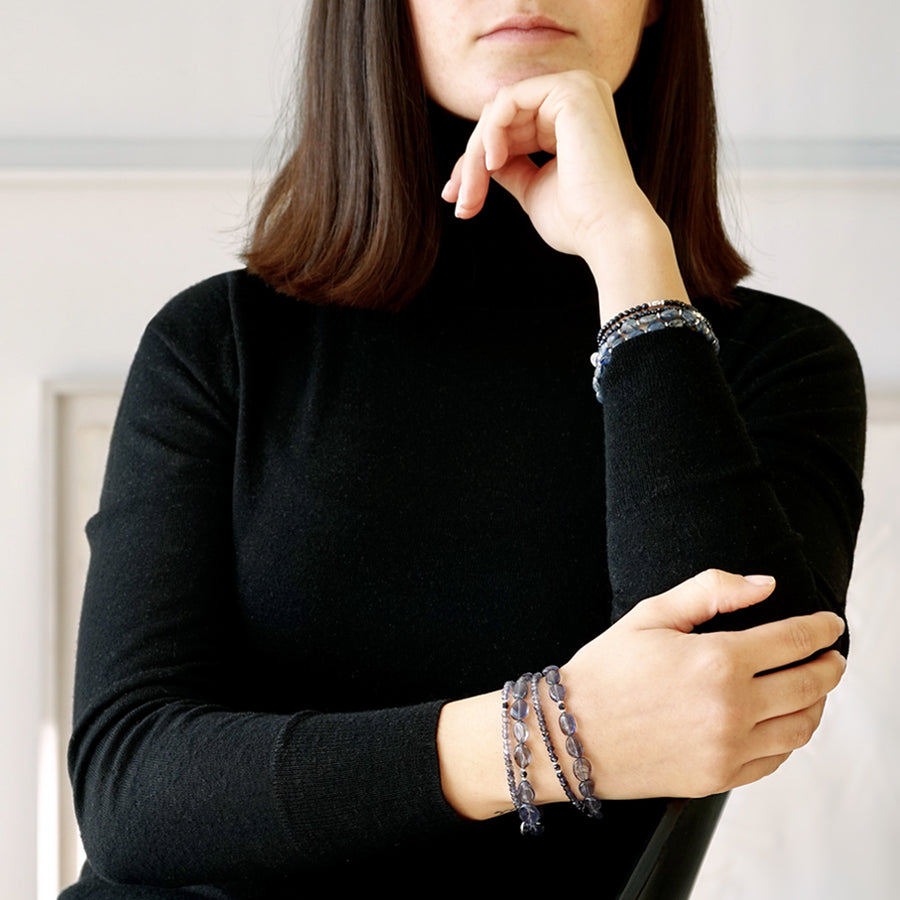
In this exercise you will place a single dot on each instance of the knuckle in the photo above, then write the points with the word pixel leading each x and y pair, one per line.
pixel 800 637
pixel 713 580
pixel 804 729
pixel 808 687
pixel 717 663
pixel 504 96
pixel 581 78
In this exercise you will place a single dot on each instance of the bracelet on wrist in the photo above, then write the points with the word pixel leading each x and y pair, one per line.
pixel 646 318
pixel 516 710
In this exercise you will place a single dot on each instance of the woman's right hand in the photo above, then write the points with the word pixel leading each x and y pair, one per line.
pixel 585 200
pixel 663 711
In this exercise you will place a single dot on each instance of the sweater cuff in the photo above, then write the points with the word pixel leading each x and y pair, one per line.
pixel 386 759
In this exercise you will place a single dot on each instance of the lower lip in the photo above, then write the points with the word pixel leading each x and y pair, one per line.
pixel 526 35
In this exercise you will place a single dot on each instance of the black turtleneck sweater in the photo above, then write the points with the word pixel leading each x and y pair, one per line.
pixel 318 524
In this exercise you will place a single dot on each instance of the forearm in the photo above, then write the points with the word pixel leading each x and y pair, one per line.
pixel 695 481
pixel 174 792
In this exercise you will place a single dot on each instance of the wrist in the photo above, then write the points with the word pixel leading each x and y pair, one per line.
pixel 633 260
pixel 470 754
pixel 473 778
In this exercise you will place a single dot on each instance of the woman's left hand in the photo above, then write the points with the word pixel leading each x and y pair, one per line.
pixel 585 201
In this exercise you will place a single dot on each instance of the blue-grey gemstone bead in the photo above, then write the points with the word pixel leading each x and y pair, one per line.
pixel 520 730
pixel 558 692
pixel 574 747
pixel 519 709
pixel 525 792
pixel 530 814
pixel 520 688
pixel 551 673
pixel 522 756
pixel 586 788
pixel 567 723
pixel 582 769
pixel 593 807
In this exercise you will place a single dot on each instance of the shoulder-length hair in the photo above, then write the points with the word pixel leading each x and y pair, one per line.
pixel 352 218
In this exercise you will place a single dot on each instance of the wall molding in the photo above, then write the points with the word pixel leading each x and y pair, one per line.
pixel 244 154
pixel 78 418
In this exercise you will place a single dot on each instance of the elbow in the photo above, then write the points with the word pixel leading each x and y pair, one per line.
pixel 118 834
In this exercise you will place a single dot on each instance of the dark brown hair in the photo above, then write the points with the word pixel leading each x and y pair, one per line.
pixel 352 217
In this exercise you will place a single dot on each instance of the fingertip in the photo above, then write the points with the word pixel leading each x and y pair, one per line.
pixel 760 580
pixel 494 159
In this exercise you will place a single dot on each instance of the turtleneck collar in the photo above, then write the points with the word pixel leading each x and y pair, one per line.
pixel 497 260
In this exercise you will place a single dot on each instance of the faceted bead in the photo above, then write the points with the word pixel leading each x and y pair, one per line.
pixel 582 769
pixel 567 724
pixel 586 788
pixel 520 730
pixel 522 756
pixel 574 747
pixel 592 806
pixel 551 673
pixel 557 692
pixel 519 709
pixel 520 688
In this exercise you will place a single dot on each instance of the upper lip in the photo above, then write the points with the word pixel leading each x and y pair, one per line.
pixel 527 23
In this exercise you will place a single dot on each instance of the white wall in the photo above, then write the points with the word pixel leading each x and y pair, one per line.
pixel 90 248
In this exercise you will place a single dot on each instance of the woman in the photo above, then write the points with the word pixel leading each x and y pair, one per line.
pixel 355 489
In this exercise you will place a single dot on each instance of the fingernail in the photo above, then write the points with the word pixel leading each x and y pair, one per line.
pixel 445 190
pixel 761 580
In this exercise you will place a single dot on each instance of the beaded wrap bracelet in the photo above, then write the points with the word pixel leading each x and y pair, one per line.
pixel 645 318
pixel 515 710
pixel 581 768
pixel 548 742
pixel 522 795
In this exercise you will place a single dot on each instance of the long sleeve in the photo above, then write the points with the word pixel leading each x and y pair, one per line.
pixel 178 778
pixel 318 523
pixel 750 463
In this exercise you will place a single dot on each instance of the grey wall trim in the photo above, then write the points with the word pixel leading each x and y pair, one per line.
pixel 158 154
pixel 807 154
pixel 247 153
